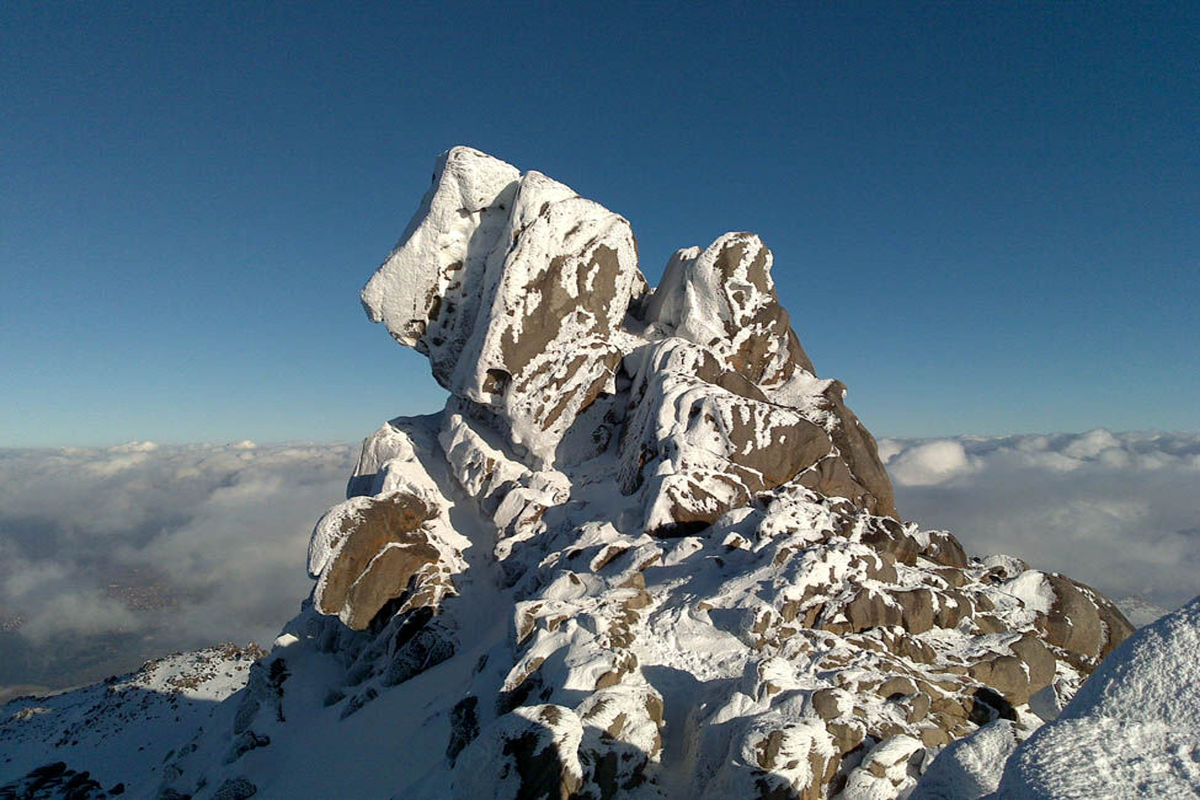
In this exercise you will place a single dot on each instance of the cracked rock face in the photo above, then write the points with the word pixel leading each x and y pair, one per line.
pixel 644 551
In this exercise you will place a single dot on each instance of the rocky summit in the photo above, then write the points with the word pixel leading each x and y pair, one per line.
pixel 643 552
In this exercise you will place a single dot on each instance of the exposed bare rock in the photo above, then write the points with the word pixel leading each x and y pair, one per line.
pixel 857 448
pixel 1082 621
pixel 382 550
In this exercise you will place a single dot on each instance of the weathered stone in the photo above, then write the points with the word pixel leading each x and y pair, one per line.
pixel 828 703
pixel 918 707
pixel 832 477
pixel 916 609
pixel 384 547
pixel 514 287
pixel 1083 622
pixel 1018 676
pixel 858 448
pixel 952 576
pixel 896 685
pixel 908 647
pixel 888 536
pixel 952 606
pixel 1038 660
pixel 946 550
pixel 870 609
pixel 426 292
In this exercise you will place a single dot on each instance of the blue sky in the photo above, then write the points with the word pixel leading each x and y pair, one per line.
pixel 984 216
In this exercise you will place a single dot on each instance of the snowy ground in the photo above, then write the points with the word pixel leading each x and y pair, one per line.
pixel 118 733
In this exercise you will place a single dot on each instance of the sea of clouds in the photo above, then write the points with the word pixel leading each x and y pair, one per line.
pixel 111 556
pixel 1120 512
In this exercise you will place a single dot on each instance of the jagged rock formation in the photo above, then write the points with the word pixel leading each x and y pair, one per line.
pixel 706 583
pixel 643 552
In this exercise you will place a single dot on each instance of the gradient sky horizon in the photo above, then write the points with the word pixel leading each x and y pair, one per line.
pixel 984 215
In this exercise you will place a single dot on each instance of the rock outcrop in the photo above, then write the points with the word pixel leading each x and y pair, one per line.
pixel 644 551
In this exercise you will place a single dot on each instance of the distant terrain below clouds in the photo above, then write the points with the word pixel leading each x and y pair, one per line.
pixel 111 556
pixel 108 557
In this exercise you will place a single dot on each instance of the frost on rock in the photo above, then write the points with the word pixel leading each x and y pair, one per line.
pixel 643 552
pixel 395 545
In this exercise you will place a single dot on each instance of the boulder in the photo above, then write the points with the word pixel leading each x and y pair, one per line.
pixel 382 547
pixel 1082 621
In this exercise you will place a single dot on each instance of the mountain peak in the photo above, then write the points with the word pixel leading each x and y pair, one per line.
pixel 644 551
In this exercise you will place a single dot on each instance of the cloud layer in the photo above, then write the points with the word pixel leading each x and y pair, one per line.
pixel 111 556
pixel 108 557
pixel 1118 511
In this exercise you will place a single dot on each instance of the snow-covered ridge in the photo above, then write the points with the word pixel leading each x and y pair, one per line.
pixel 113 739
pixel 644 551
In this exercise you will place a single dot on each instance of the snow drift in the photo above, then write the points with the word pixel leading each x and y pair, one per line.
pixel 1132 730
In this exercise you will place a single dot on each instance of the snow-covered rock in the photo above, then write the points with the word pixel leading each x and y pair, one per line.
pixel 643 552
pixel 969 768
pixel 112 739
pixel 1132 730
pixel 516 288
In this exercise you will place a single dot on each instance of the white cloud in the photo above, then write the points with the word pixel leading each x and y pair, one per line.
pixel 929 463
pixel 110 556
pixel 161 547
pixel 1120 512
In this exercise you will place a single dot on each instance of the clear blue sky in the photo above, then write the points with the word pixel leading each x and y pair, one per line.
pixel 984 216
